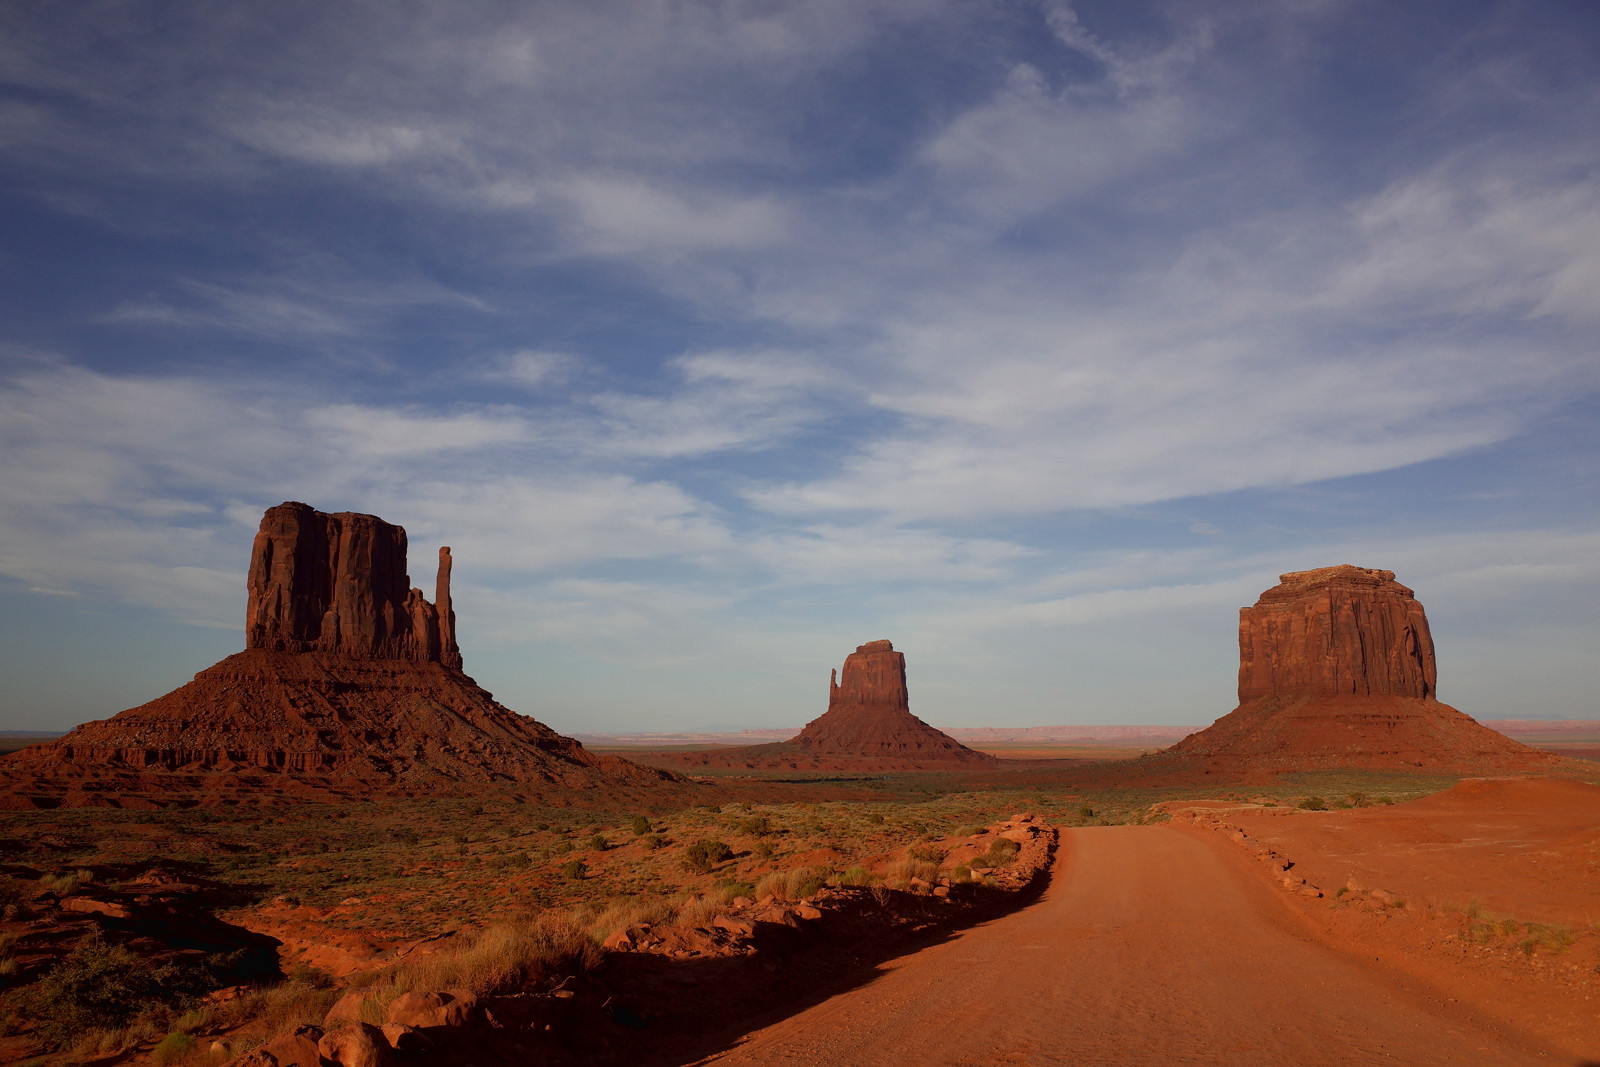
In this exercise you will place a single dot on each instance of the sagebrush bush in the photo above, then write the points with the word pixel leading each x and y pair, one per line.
pixel 1002 850
pixel 797 884
pixel 1314 804
pixel 900 873
pixel 101 986
pixel 576 870
pixel 702 856
pixel 641 826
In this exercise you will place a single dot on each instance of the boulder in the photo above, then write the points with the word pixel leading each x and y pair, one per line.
pixel 428 1011
pixel 347 1009
pixel 356 1045
pixel 405 1039
pixel 298 1048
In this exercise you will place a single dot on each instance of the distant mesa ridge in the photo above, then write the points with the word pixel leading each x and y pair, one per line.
pixel 350 683
pixel 1337 669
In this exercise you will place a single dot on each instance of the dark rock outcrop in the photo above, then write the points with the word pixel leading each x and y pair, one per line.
pixel 1336 669
pixel 337 583
pixel 350 683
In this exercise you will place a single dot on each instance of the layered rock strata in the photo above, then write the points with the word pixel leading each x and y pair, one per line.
pixel 1336 669
pixel 350 683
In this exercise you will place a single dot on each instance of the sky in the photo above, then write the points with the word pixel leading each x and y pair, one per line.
pixel 718 338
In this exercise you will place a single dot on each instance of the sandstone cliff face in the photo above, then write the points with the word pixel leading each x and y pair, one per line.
pixel 1336 669
pixel 1340 630
pixel 350 683
pixel 338 583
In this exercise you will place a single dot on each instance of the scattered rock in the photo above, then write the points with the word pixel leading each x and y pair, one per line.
pixel 356 1045
pixel 295 1049
pixel 429 1010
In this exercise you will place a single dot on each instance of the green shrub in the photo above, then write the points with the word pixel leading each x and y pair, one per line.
pixel 172 1048
pixel 755 825
pixel 1314 804
pixel 702 856
pixel 1085 812
pixel 855 876
pixel 577 870
pixel 653 841
pixel 510 861
pixel 641 826
pixel 97 986
pixel 599 843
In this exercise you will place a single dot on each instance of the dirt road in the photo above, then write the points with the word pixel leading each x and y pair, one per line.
pixel 1152 946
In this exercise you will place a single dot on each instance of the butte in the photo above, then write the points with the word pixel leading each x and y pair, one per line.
pixel 1336 669
pixel 868 727
pixel 350 684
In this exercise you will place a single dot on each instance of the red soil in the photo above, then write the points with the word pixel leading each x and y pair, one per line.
pixel 1527 850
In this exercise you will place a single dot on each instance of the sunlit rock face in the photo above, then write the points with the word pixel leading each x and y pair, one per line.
pixel 1340 630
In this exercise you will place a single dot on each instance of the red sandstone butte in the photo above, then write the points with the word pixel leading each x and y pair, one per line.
pixel 868 726
pixel 350 683
pixel 1336 669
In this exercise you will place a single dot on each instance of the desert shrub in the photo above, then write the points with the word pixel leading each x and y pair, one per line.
pixel 968 831
pixel 797 884
pixel 875 818
pixel 561 848
pixel 171 1049
pixel 1002 850
pixel 408 838
pixel 599 843
pixel 1085 812
pixel 1358 800
pixel 1314 804
pixel 510 861
pixel 12 892
pixel 962 873
pixel 756 825
pixel 727 889
pixel 98 985
pixel 630 911
pixel 764 850
pixel 576 870
pixel 855 876
pixel 501 959
pixel 63 885
pixel 928 853
pixel 653 841
pixel 475 810
pixel 641 826
pixel 900 873
pixel 1383 800
pixel 702 856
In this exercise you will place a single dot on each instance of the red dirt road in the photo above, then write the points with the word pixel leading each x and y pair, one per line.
pixel 1153 945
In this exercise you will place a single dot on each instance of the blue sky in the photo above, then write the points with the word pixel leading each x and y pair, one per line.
pixel 718 338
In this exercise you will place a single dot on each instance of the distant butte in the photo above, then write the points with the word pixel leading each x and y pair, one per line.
pixel 868 726
pixel 1336 669
pixel 350 683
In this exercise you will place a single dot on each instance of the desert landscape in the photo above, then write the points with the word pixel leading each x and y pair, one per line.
pixel 843 533
pixel 333 848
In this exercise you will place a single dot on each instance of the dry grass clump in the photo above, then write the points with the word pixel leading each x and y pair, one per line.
pixel 901 872
pixel 797 884
pixel 631 911
pixel 502 958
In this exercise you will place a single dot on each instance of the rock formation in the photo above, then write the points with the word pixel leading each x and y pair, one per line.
pixel 338 583
pixel 868 725
pixel 1336 669
pixel 350 683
